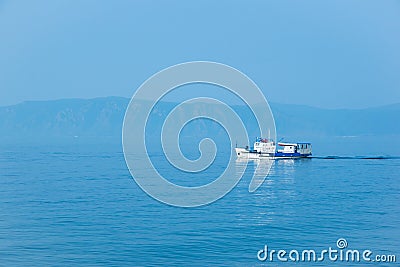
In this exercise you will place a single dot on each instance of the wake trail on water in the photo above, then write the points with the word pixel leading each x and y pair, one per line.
pixel 357 157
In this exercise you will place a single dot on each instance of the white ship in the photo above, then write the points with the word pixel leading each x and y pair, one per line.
pixel 264 148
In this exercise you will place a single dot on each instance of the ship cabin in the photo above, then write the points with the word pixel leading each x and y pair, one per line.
pixel 262 145
pixel 294 149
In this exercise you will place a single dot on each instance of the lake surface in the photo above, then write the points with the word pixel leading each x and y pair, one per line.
pixel 77 205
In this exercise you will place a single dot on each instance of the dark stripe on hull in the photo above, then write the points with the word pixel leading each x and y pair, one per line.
pixel 290 155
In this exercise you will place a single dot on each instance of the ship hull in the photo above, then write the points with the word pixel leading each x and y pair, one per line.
pixel 248 154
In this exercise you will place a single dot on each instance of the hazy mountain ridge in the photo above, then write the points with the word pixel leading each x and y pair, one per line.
pixel 103 117
pixel 66 117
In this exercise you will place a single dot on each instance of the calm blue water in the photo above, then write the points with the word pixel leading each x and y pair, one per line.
pixel 78 205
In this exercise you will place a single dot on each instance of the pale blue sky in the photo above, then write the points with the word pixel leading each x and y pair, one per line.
pixel 334 54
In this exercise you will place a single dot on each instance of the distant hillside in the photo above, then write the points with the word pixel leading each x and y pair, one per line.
pixel 102 117
pixel 309 121
pixel 67 117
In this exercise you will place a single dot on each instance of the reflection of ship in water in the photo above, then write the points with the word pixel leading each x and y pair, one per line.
pixel 282 170
pixel 264 148
pixel 273 183
pixel 262 168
